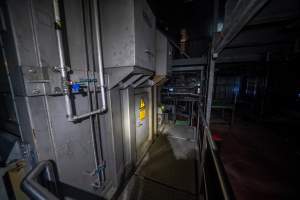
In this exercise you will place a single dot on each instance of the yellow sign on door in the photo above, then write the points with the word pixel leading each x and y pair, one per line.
pixel 142 109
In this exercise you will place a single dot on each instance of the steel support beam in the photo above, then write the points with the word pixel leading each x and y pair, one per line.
pixel 228 58
pixel 240 58
pixel 188 68
pixel 210 89
pixel 211 65
pixel 190 62
pixel 242 13
pixel 273 19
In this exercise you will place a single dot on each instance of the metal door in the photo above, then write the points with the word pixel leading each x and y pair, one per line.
pixel 142 122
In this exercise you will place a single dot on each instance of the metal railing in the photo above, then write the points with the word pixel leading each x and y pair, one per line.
pixel 41 182
pixel 212 178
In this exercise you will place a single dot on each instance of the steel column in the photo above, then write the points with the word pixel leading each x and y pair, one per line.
pixel 211 63
pixel 242 13
pixel 210 89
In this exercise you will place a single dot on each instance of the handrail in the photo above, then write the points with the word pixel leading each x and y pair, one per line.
pixel 33 188
pixel 62 63
pixel 217 163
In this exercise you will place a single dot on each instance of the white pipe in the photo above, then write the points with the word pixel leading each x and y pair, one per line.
pixel 99 56
pixel 62 63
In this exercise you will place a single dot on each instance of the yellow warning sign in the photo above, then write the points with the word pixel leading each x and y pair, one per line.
pixel 142 109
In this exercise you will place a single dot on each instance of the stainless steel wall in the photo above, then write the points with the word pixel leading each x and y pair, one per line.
pixel 77 148
pixel 125 25
pixel 141 101
pixel 129 136
pixel 163 59
pixel 137 124
pixel 83 148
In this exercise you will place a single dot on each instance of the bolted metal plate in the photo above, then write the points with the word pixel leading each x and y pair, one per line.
pixel 47 80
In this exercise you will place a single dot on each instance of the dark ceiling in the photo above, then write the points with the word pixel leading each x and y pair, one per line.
pixel 193 15
pixel 275 28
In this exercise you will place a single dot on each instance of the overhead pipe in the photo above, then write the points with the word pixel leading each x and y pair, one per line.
pixel 63 68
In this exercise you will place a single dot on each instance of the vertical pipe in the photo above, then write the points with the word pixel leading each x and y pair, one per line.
pixel 62 63
pixel 99 55
pixel 64 74
pixel 210 88
pixel 212 63
pixel 86 7
pixel 63 71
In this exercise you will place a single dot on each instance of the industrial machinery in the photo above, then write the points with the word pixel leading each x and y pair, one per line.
pixel 81 89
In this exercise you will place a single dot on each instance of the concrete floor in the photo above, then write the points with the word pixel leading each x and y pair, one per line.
pixel 180 132
pixel 259 164
pixel 168 169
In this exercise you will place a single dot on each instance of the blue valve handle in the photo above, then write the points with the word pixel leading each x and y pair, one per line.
pixel 75 87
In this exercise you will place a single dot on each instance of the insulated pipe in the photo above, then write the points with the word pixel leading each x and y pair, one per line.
pixel 99 56
pixel 63 70
pixel 62 62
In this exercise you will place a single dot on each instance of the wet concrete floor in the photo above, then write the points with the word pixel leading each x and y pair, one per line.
pixel 168 169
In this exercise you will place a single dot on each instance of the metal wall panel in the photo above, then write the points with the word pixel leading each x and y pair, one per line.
pixel 25 120
pixel 46 45
pixel 145 35
pixel 40 128
pixel 161 59
pixel 43 118
pixel 80 147
pixel 75 34
pixel 151 113
pixel 20 13
pixel 142 125
pixel 128 108
pixel 73 145
pixel 137 132
pixel 114 129
pixel 128 28
pixel 118 32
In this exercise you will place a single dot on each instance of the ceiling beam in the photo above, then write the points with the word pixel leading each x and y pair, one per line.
pixel 241 58
pixel 272 44
pixel 242 13
pixel 190 62
pixel 229 58
pixel 274 19
pixel 187 68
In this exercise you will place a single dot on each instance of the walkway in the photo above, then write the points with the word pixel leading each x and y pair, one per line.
pixel 168 170
pixel 259 164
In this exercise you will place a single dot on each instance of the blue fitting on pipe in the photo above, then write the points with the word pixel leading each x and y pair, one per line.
pixel 75 87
